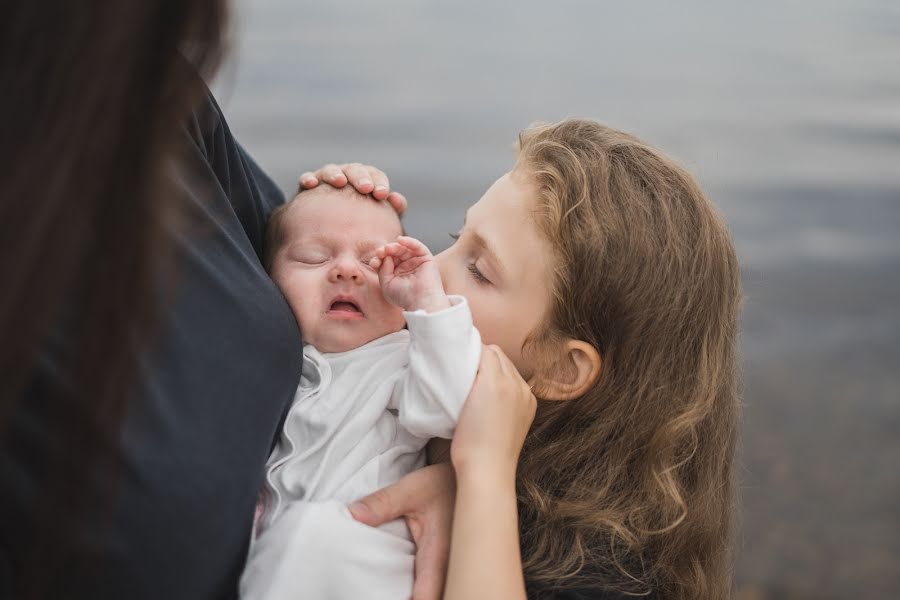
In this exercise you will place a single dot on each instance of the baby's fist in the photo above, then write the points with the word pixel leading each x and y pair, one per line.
pixel 409 276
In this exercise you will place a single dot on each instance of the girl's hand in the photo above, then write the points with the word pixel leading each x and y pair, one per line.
pixel 409 276
pixel 495 418
pixel 365 179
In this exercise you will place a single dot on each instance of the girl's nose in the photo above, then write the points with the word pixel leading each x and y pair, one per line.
pixel 441 260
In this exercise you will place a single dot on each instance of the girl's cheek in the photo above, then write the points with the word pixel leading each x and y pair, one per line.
pixel 481 321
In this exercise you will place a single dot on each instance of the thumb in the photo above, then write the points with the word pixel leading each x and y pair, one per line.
pixel 432 554
pixel 382 506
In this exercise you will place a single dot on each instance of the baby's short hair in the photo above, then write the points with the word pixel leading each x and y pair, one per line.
pixel 275 235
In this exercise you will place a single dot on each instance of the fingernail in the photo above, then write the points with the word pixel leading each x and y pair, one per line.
pixel 365 182
pixel 381 188
pixel 359 511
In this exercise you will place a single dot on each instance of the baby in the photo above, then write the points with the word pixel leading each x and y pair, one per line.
pixel 371 394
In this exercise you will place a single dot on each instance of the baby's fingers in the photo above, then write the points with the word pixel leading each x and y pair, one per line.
pixel 416 247
pixel 398 251
pixel 381 252
pixel 387 268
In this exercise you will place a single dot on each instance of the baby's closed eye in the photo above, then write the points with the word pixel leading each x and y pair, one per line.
pixel 311 256
pixel 366 259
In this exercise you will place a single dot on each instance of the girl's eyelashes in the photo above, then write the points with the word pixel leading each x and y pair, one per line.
pixel 478 275
pixel 473 269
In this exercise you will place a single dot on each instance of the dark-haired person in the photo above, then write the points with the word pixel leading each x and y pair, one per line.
pixel 146 358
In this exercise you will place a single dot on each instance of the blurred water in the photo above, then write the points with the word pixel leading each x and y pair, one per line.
pixel 788 112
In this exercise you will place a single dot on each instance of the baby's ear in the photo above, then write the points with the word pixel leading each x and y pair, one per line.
pixel 572 375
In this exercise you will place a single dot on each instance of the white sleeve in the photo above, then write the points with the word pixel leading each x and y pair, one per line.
pixel 444 352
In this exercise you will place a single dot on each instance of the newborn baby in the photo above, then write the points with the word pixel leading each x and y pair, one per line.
pixel 371 394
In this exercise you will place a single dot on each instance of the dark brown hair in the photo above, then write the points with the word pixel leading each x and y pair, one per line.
pixel 630 486
pixel 93 95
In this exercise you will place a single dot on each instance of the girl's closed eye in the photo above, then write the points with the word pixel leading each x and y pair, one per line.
pixel 477 274
pixel 472 267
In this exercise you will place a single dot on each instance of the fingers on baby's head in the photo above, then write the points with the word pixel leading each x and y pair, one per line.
pixel 324 189
pixel 345 193
pixel 344 210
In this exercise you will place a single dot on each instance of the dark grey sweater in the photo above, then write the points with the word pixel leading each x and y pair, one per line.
pixel 208 401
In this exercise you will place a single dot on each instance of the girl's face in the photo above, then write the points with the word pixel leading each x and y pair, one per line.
pixel 502 265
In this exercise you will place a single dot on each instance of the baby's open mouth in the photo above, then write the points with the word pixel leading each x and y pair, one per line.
pixel 344 306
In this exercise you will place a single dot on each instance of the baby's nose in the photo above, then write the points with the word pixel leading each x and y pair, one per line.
pixel 347 269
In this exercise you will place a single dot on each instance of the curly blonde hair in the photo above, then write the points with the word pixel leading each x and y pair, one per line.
pixel 630 486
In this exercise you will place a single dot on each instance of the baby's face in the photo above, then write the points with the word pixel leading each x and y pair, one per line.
pixel 323 268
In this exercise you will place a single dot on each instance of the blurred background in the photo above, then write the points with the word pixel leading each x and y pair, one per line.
pixel 789 114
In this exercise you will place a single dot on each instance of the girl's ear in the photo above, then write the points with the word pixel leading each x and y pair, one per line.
pixel 572 375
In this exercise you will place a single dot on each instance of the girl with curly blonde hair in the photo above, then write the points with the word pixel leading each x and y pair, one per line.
pixel 603 273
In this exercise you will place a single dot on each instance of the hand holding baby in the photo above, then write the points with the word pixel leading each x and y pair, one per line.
pixel 409 275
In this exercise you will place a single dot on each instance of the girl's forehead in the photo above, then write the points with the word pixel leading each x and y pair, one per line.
pixel 510 198
pixel 504 219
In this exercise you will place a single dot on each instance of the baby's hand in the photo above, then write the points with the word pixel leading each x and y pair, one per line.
pixel 409 276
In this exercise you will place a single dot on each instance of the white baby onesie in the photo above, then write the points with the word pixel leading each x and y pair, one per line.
pixel 359 421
